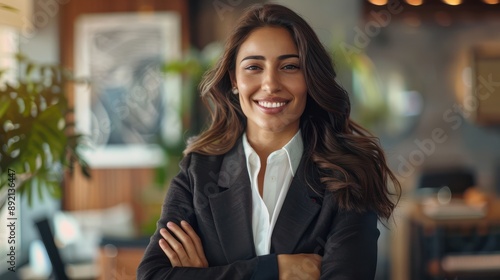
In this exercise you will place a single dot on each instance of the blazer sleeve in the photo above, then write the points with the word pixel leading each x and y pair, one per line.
pixel 178 205
pixel 350 250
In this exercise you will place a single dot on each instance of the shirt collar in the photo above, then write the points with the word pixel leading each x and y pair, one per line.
pixel 294 149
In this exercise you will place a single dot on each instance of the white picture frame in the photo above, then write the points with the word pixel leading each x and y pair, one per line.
pixel 129 101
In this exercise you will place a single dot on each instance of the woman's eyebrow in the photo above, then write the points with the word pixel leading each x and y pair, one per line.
pixel 260 57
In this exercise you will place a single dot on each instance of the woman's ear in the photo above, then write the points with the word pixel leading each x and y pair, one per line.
pixel 233 79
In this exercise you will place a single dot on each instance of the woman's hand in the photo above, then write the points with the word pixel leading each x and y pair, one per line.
pixel 299 266
pixel 185 249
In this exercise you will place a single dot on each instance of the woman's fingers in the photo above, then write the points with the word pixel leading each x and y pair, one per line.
pixel 186 248
pixel 176 244
pixel 171 253
pixel 196 241
pixel 182 246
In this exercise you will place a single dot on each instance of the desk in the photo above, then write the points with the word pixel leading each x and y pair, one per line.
pixel 122 265
pixel 119 258
pixel 438 247
pixel 492 217
pixel 86 271
pixel 114 262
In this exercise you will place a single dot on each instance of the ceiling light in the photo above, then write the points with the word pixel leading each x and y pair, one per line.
pixel 453 2
pixel 378 2
pixel 415 2
pixel 16 14
pixel 491 2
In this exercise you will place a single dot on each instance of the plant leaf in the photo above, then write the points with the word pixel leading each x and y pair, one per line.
pixel 4 105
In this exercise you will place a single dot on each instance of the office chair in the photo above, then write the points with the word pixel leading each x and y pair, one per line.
pixel 58 267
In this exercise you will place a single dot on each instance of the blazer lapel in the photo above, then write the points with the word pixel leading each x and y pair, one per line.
pixel 297 212
pixel 232 207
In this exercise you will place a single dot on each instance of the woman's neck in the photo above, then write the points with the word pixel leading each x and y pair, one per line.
pixel 266 142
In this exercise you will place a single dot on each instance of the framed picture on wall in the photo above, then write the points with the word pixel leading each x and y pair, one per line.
pixel 129 103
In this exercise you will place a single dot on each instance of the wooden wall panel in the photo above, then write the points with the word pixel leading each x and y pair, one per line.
pixel 109 187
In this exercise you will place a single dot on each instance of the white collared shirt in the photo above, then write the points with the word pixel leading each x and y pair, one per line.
pixel 280 169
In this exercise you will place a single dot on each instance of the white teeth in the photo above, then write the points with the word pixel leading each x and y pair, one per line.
pixel 271 104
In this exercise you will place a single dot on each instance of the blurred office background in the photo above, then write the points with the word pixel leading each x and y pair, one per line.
pixel 424 76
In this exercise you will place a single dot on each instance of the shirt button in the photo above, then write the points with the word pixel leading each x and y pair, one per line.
pixel 273 178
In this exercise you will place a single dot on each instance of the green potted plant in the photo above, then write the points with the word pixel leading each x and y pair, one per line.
pixel 37 142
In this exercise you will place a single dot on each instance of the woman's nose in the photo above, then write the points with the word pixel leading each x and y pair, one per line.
pixel 270 82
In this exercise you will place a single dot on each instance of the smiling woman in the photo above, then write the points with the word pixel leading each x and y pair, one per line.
pixel 283 184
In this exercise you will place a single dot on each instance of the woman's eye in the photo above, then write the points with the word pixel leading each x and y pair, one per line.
pixel 252 67
pixel 291 67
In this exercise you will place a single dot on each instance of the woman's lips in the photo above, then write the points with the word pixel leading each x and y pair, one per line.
pixel 267 104
pixel 271 106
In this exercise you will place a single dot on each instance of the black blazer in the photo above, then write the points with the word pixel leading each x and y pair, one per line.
pixel 213 194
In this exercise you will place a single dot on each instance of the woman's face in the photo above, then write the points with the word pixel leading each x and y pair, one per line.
pixel 271 83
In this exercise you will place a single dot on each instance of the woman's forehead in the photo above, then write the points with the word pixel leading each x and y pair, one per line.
pixel 268 42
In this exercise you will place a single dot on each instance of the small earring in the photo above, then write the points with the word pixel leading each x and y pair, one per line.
pixel 235 90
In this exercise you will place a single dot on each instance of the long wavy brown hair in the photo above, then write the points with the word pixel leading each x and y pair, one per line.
pixel 350 159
